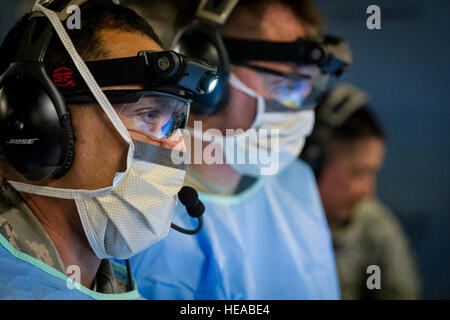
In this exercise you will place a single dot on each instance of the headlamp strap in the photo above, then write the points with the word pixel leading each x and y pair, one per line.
pixel 301 52
pixel 106 72
pixel 332 55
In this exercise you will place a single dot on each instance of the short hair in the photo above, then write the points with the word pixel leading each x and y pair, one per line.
pixel 94 18
pixel 360 125
pixel 305 10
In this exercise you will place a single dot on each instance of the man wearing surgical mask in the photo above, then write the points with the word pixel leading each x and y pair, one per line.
pixel 265 234
pixel 117 196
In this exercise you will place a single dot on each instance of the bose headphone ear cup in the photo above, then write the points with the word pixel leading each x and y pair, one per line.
pixel 313 151
pixel 336 106
pixel 202 40
pixel 36 133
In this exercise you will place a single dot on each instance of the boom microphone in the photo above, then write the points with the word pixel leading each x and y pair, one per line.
pixel 195 208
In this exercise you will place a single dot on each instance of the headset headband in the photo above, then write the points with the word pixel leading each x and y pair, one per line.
pixel 216 11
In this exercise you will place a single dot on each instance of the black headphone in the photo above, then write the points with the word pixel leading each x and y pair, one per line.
pixel 36 135
pixel 335 108
pixel 202 39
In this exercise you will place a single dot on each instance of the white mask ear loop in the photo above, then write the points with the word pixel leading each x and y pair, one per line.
pixel 236 83
pixel 87 76
pixel 239 85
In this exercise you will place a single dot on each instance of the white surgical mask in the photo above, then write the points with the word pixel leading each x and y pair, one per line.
pixel 296 91
pixel 281 136
pixel 293 126
pixel 133 213
pixel 136 211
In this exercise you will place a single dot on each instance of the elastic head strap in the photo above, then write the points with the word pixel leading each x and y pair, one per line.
pixel 58 7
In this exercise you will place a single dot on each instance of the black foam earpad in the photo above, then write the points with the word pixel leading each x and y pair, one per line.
pixel 68 152
pixel 202 40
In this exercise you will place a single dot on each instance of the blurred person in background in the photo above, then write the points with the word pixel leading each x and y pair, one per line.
pixel 346 151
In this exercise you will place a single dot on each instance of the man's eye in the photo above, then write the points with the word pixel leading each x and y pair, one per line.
pixel 149 115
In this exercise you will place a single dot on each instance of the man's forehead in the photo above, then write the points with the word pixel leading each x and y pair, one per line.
pixel 280 23
pixel 121 44
pixel 364 150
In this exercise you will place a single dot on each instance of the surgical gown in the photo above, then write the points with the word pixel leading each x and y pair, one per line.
pixel 24 277
pixel 271 241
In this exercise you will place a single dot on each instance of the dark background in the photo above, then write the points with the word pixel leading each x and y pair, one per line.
pixel 405 69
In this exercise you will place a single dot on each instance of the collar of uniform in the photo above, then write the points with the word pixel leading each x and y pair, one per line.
pixel 24 232
pixel 202 185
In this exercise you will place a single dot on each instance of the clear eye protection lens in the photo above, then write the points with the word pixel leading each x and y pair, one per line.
pixel 294 91
pixel 318 89
pixel 155 114
pixel 288 90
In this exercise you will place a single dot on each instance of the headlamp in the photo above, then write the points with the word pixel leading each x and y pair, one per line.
pixel 166 67
pixel 209 83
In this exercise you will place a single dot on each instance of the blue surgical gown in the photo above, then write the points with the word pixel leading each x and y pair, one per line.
pixel 24 277
pixel 270 242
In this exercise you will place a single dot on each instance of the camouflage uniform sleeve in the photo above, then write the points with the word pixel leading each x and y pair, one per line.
pixel 392 253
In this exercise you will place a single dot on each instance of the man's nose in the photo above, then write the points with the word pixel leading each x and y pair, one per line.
pixel 174 142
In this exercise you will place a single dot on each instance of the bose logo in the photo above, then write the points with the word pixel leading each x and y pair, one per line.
pixel 22 141
pixel 163 63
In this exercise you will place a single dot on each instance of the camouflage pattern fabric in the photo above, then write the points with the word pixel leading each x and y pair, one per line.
pixel 25 233
pixel 374 237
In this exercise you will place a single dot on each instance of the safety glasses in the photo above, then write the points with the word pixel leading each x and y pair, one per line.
pixel 156 113
pixel 294 90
